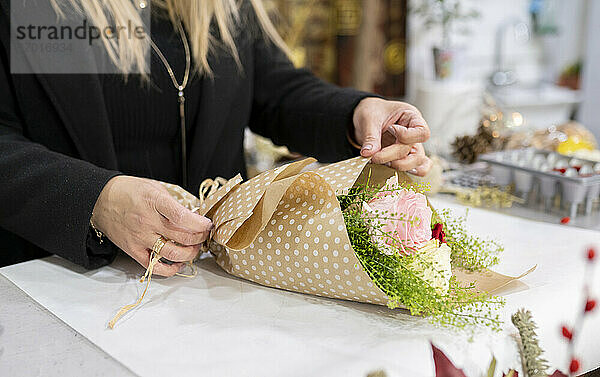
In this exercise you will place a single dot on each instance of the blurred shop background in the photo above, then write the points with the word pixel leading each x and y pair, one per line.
pixel 519 78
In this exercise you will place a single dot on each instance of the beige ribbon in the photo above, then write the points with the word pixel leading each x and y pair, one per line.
pixel 156 248
pixel 210 187
pixel 207 188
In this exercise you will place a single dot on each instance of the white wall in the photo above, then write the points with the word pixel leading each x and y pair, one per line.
pixel 570 44
pixel 589 112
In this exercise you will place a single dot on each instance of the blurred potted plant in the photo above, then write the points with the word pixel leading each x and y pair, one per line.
pixel 570 77
pixel 446 15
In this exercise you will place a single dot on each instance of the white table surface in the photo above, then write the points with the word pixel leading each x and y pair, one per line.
pixel 216 325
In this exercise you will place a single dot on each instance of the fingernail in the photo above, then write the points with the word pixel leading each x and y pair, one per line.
pixel 391 129
pixel 367 147
pixel 412 171
pixel 388 164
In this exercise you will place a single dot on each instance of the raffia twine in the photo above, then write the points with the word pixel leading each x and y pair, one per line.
pixel 207 188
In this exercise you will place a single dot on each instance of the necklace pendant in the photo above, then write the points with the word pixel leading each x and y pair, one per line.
pixel 180 94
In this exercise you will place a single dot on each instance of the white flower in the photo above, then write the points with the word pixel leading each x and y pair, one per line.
pixel 432 263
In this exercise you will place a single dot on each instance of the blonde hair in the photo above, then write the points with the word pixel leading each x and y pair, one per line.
pixel 196 16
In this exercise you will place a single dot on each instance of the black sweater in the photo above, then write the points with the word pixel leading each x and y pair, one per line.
pixel 57 149
pixel 144 116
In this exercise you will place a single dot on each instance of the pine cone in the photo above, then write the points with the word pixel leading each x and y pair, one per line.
pixel 465 149
pixel 485 133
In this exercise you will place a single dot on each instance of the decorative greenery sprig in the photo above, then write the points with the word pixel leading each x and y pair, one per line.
pixel 396 277
pixel 446 14
pixel 531 352
pixel 469 252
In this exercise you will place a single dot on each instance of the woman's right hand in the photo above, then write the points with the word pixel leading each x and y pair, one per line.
pixel 134 212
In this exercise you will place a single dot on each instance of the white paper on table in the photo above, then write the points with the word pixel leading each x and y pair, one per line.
pixel 217 325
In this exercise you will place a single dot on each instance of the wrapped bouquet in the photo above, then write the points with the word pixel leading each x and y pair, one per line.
pixel 353 231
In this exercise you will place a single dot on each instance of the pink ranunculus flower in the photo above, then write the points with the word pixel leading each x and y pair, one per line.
pixel 400 219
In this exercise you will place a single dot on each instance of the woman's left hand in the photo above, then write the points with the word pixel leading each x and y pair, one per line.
pixel 392 133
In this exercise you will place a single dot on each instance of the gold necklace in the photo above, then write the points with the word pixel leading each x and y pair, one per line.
pixel 180 93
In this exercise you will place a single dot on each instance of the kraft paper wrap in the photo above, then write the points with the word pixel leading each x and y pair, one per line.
pixel 284 229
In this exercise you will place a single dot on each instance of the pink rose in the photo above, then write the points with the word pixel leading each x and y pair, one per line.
pixel 400 219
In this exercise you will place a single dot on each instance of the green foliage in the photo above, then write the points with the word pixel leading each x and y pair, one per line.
pixel 573 69
pixel 469 252
pixel 533 364
pixel 377 373
pixel 445 14
pixel 492 367
pixel 404 286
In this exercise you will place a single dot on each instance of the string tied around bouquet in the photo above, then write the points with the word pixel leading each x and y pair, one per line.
pixel 154 259
pixel 207 188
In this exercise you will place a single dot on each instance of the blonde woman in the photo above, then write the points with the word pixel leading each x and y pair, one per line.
pixel 80 155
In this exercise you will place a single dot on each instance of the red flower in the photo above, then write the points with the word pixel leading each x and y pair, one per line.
pixel 558 373
pixel 574 367
pixel 438 233
pixel 565 220
pixel 590 305
pixel 591 254
pixel 567 333
pixel 443 365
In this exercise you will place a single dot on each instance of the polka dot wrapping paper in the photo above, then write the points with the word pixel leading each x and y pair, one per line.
pixel 285 229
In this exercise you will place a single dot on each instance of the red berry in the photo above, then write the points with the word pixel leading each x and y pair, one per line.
pixel 567 333
pixel 574 367
pixel 590 305
pixel 565 220
pixel 591 254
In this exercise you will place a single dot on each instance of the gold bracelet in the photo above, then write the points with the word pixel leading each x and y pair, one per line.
pixel 351 140
pixel 99 234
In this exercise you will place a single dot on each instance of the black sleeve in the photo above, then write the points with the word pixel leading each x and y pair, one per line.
pixel 46 197
pixel 292 107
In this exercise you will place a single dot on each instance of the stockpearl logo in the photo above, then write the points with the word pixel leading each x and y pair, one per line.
pixel 45 40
